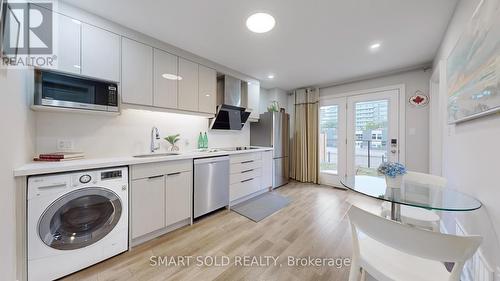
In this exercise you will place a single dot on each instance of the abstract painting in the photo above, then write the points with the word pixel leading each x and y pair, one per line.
pixel 473 67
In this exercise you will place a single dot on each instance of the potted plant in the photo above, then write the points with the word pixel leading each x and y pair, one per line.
pixel 273 107
pixel 393 173
pixel 172 140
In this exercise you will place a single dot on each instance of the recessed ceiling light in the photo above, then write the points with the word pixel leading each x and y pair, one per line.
pixel 270 76
pixel 171 76
pixel 375 46
pixel 260 22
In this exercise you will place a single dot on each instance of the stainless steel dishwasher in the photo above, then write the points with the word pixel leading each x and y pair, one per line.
pixel 211 184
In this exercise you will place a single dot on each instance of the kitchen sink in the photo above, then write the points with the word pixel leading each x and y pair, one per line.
pixel 156 155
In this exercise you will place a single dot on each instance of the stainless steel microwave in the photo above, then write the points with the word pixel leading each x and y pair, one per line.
pixel 59 89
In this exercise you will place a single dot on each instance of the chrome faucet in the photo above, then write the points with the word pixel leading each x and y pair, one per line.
pixel 155 135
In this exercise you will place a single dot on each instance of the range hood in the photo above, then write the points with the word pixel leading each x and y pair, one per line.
pixel 231 113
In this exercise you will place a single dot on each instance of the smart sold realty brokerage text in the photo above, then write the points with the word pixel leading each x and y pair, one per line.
pixel 249 261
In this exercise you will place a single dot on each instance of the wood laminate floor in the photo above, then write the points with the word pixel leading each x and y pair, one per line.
pixel 314 224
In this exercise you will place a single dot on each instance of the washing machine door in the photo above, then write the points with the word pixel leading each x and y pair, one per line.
pixel 80 218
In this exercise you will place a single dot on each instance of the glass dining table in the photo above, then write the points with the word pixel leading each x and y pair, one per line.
pixel 427 196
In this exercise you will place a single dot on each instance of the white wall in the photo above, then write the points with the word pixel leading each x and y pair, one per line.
pixel 470 155
pixel 128 133
pixel 417 131
pixel 269 95
pixel 16 148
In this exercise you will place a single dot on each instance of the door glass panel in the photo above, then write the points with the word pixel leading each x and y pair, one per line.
pixel 80 218
pixel 371 125
pixel 328 139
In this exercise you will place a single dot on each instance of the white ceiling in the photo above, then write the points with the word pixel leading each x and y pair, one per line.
pixel 314 41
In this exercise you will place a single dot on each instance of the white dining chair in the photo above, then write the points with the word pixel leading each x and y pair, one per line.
pixel 414 215
pixel 389 250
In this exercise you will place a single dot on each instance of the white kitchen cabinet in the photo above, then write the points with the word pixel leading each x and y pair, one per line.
pixel 161 196
pixel 253 96
pixel 67 43
pixel 207 94
pixel 137 72
pixel 148 205
pixel 249 175
pixel 66 34
pixel 178 196
pixel 165 82
pixel 188 86
pixel 267 169
pixel 100 53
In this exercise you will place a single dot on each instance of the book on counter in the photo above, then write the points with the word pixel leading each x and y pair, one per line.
pixel 59 156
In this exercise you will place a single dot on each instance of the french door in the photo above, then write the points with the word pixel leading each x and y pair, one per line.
pixel 332 144
pixel 357 133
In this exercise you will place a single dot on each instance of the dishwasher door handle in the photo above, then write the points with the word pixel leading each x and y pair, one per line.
pixel 210 160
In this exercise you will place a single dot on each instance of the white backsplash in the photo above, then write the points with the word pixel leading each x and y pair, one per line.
pixel 129 133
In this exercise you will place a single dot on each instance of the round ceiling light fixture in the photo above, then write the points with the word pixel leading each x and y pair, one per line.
pixel 261 22
pixel 270 76
pixel 375 46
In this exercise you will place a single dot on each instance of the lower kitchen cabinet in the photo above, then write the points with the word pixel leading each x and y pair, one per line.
pixel 250 175
pixel 178 197
pixel 148 205
pixel 161 198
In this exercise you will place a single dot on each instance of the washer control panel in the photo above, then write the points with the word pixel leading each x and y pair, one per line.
pixel 85 178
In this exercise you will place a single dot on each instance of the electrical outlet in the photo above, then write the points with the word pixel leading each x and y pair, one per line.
pixel 65 145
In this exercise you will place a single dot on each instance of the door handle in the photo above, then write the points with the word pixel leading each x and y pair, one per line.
pixel 245 162
pixel 246 180
pixel 247 171
pixel 155 177
pixel 174 174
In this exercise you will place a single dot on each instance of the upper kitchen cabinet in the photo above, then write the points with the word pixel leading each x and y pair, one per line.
pixel 137 72
pixel 67 43
pixel 207 96
pixel 100 53
pixel 66 33
pixel 166 78
pixel 253 95
pixel 188 85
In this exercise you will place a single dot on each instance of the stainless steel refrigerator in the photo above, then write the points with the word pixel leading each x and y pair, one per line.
pixel 272 131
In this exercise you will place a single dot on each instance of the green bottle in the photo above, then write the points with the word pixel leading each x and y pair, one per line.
pixel 205 140
pixel 200 141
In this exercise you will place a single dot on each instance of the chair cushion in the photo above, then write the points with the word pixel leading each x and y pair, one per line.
pixel 385 263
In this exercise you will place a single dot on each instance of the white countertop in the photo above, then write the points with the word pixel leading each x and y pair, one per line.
pixel 38 168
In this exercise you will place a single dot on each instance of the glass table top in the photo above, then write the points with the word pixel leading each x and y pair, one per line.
pixel 415 194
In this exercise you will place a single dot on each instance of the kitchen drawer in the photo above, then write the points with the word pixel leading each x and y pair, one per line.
pixel 244 157
pixel 141 171
pixel 237 168
pixel 245 175
pixel 242 189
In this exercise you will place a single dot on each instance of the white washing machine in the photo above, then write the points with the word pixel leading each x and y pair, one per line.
pixel 75 220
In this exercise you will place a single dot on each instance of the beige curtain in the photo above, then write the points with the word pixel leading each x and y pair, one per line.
pixel 304 156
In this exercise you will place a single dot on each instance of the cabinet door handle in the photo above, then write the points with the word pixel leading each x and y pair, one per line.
pixel 174 174
pixel 247 171
pixel 246 180
pixel 245 162
pixel 155 177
